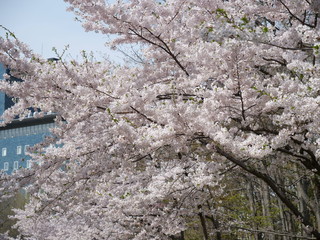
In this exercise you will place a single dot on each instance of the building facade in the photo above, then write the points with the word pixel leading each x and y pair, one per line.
pixel 18 136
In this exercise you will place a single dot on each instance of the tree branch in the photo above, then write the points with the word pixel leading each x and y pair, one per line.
pixel 295 17
pixel 273 185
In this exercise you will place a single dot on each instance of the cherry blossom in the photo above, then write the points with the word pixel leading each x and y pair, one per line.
pixel 142 149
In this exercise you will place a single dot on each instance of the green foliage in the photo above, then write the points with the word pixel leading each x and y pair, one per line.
pixel 221 11
pixel 193 231
pixel 6 210
pixel 244 20
pixel 316 49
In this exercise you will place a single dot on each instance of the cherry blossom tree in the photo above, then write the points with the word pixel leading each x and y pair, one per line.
pixel 218 86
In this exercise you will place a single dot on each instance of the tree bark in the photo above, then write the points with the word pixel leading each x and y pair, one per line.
pixel 266 209
pixel 203 224
pixel 274 186
pixel 250 194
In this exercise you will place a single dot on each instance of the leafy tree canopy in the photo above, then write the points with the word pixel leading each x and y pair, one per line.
pixel 222 94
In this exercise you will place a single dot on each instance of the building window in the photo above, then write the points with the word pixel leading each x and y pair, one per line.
pixel 26 148
pixel 29 164
pixel 4 152
pixel 6 166
pixel 19 150
pixel 15 165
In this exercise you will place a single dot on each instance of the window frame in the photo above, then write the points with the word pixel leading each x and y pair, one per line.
pixel 25 148
pixel 15 165
pixel 19 150
pixel 29 164
pixel 6 166
pixel 4 152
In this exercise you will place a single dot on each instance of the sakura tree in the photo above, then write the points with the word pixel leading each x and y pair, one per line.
pixel 218 86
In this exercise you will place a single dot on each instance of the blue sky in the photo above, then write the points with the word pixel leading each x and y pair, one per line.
pixel 44 24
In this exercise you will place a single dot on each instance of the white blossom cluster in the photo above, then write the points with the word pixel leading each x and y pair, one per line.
pixel 141 148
